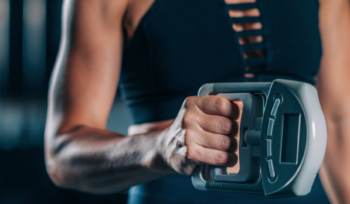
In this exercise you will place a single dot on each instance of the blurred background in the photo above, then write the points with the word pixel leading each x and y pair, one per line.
pixel 30 33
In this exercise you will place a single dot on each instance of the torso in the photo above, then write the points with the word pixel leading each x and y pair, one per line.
pixel 137 11
pixel 138 8
pixel 175 46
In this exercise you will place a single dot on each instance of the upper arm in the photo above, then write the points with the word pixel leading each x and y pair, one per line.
pixel 87 69
pixel 333 81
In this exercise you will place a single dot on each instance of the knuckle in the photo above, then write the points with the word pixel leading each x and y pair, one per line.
pixel 190 100
pixel 188 118
pixel 225 125
pixel 222 159
pixel 188 135
pixel 191 153
pixel 225 143
pixel 220 103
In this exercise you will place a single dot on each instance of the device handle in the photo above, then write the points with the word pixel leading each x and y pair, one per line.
pixel 217 88
pixel 201 183
pixel 249 151
pixel 201 177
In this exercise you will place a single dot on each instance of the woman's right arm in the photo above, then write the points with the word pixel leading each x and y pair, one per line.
pixel 80 153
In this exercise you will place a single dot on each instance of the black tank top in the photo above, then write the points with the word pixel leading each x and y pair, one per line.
pixel 181 44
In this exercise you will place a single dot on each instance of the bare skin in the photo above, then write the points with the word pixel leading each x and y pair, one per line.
pixel 333 86
pixel 81 154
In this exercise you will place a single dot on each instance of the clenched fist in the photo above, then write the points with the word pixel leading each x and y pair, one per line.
pixel 203 133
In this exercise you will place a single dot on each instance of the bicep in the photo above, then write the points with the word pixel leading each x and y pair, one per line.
pixel 86 72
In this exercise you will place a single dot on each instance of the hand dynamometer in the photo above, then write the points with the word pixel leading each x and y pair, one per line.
pixel 283 139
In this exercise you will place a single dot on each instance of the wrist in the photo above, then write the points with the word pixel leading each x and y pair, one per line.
pixel 155 158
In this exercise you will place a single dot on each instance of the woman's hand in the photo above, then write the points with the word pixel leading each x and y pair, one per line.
pixel 203 132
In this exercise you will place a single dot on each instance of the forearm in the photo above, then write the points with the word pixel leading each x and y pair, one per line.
pixel 336 165
pixel 100 161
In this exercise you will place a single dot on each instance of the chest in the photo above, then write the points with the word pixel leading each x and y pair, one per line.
pixel 183 43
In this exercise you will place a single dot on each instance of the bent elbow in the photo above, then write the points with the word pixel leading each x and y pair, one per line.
pixel 55 162
pixel 57 175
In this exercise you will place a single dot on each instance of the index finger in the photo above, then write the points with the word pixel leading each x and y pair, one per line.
pixel 218 105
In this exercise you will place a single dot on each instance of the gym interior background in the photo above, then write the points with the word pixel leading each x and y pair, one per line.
pixel 30 33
